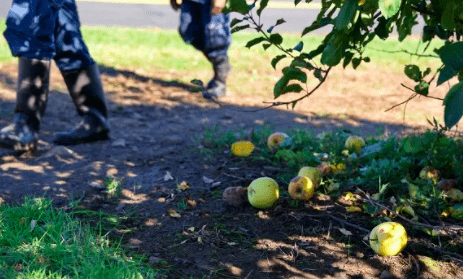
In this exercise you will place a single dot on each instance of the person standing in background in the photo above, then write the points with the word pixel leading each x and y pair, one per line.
pixel 203 25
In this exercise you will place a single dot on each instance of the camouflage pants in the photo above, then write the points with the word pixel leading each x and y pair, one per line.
pixel 47 29
pixel 207 33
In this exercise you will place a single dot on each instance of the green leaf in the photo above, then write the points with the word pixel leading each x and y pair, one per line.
pixel 426 72
pixel 346 13
pixel 448 17
pixel 266 46
pixel 234 22
pixel 347 58
pixel 277 59
pixel 239 6
pixel 453 103
pixel 389 8
pixel 280 21
pixel 356 62
pixel 413 72
pixel 452 57
pixel 255 41
pixel 318 74
pixel 276 39
pixel 279 86
pixel 292 88
pixel 412 145
pixel 296 2
pixel 262 6
pixel 422 88
pixel 299 46
pixel 239 28
pixel 292 73
pixel 197 82
pixel 333 52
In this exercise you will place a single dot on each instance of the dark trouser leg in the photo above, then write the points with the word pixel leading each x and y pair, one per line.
pixel 85 88
pixel 31 101
pixel 82 79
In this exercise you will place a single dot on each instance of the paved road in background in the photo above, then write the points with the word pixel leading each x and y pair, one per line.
pixel 157 13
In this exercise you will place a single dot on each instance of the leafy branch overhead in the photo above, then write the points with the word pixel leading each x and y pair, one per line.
pixel 354 24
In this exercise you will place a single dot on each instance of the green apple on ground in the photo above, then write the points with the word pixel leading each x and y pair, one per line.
pixel 274 141
pixel 355 143
pixel 301 188
pixel 263 192
pixel 388 239
pixel 312 173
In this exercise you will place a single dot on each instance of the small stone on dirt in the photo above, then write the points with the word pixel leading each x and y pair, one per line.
pixel 154 260
pixel 119 143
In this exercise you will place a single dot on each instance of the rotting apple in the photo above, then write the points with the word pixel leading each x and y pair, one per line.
pixel 301 188
pixel 263 192
pixel 234 196
pixel 388 238
pixel 429 172
pixel 274 141
pixel 312 173
pixel 355 143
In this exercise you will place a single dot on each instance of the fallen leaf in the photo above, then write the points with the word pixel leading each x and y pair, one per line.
pixel 168 176
pixel 173 213
pixel 207 180
pixel 183 186
pixel 353 209
pixel 191 202
pixel 345 232
pixel 33 223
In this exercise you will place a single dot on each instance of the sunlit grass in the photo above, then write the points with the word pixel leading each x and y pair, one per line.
pixel 37 241
pixel 147 48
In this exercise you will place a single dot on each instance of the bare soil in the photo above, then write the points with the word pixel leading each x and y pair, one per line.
pixel 155 120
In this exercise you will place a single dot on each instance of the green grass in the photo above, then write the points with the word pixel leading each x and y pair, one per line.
pixel 37 241
pixel 164 49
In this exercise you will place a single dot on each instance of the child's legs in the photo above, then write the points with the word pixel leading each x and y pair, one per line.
pixel 190 24
pixel 71 50
pixel 29 29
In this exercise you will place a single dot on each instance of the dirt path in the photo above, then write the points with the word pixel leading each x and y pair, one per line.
pixel 154 124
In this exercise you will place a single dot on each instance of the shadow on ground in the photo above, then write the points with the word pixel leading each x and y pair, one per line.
pixel 152 149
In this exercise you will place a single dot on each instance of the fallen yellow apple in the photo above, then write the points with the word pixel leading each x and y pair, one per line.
pixel 263 192
pixel 429 173
pixel 274 141
pixel 301 188
pixel 312 173
pixel 388 239
pixel 242 148
pixel 355 143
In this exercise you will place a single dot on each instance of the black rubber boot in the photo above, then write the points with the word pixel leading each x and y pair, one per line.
pixel 86 91
pixel 216 88
pixel 31 101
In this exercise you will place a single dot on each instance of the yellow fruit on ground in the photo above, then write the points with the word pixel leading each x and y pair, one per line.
pixel 301 188
pixel 388 239
pixel 274 141
pixel 263 192
pixel 312 173
pixel 242 148
pixel 355 143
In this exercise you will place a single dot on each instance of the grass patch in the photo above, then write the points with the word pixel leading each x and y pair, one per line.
pixel 121 47
pixel 37 241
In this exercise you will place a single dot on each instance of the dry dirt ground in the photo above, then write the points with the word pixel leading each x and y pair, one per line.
pixel 155 120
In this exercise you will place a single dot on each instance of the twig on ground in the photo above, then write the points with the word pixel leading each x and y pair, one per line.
pixel 349 224
pixel 442 227
pixel 431 246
